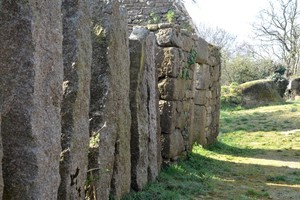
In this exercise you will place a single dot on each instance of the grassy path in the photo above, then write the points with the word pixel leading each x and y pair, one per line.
pixel 257 156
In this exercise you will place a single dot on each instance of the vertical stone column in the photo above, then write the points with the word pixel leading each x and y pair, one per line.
pixel 110 119
pixel 31 75
pixel 213 100
pixel 1 151
pixel 77 56
pixel 145 152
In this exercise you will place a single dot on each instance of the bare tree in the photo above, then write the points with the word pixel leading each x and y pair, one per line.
pixel 217 36
pixel 278 29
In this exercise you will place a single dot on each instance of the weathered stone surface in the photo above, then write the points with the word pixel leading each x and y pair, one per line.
pixel 200 117
pixel 167 116
pixel 145 147
pixel 169 37
pixel 1 154
pixel 202 77
pixel 259 92
pixel 77 57
pixel 200 97
pixel 173 89
pixel 154 153
pixel 173 145
pixel 187 42
pixel 109 110
pixel 31 75
pixel 201 47
pixel 214 56
pixel 138 106
pixel 169 62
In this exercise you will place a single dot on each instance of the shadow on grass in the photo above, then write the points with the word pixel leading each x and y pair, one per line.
pixel 225 149
pixel 198 175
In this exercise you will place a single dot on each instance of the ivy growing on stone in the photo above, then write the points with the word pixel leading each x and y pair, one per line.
pixel 191 60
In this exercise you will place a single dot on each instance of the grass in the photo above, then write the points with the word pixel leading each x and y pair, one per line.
pixel 256 157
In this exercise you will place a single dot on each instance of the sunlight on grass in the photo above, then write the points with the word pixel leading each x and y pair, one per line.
pixel 256 161
pixel 283 185
pixel 257 156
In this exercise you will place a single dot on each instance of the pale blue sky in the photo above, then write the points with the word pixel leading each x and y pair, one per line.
pixel 235 16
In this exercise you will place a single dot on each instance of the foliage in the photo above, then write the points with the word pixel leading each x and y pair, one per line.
pixel 191 60
pixel 231 95
pixel 153 18
pixel 170 16
pixel 180 181
pixel 243 68
pixel 187 26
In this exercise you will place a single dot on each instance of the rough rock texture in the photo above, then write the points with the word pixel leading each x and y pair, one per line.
pixel 110 117
pixel 260 92
pixel 145 132
pixel 189 87
pixel 1 154
pixel 31 78
pixel 143 12
pixel 293 88
pixel 77 56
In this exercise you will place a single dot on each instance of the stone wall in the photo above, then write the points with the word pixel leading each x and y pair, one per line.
pixel 143 12
pixel 86 112
pixel 188 74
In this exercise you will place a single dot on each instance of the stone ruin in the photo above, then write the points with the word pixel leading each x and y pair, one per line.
pixel 87 111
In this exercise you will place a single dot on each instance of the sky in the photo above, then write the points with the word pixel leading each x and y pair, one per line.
pixel 235 16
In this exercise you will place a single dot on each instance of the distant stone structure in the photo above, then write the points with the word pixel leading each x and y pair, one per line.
pixel 87 111
pixel 143 12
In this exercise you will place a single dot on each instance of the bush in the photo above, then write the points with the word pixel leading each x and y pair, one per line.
pixel 231 95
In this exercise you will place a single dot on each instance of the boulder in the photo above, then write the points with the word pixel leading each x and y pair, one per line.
pixel 259 92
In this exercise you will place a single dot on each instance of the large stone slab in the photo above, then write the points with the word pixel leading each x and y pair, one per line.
pixel 167 116
pixel 31 78
pixel 169 62
pixel 144 109
pixel 173 145
pixel 1 154
pixel 201 47
pixel 110 118
pixel 202 77
pixel 77 56
pixel 171 89
pixel 200 122
pixel 169 37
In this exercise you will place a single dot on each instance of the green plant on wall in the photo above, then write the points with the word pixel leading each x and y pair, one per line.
pixel 191 60
pixel 170 16
pixel 153 18
pixel 187 26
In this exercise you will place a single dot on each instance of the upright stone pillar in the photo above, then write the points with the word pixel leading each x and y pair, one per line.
pixel 110 119
pixel 31 75
pixel 145 148
pixel 77 56
pixel 1 152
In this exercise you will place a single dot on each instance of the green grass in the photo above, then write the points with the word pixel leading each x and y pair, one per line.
pixel 251 154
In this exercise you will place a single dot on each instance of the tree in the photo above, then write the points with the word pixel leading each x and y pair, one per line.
pixel 278 28
pixel 218 37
